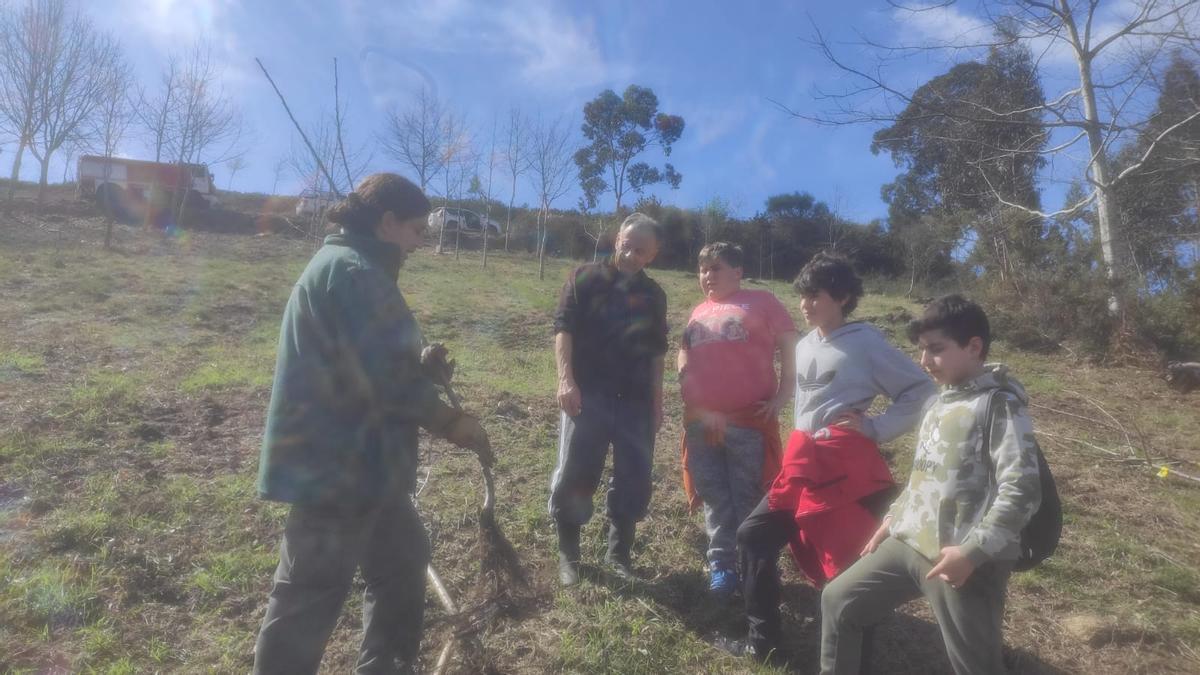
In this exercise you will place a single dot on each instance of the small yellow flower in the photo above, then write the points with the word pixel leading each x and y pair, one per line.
pixel 1163 472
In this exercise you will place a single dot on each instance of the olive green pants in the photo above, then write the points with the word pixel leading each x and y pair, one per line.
pixel 970 618
pixel 318 557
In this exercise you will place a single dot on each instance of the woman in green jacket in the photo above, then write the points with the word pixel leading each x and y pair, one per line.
pixel 341 440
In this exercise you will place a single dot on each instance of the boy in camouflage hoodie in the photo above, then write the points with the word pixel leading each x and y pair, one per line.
pixel 954 532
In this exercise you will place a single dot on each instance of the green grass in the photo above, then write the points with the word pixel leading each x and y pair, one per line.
pixel 16 363
pixel 249 364
pixel 224 574
pixel 49 595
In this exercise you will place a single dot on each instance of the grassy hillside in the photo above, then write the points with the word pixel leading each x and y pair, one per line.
pixel 132 391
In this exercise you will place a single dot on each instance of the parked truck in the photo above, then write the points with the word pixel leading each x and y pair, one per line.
pixel 139 188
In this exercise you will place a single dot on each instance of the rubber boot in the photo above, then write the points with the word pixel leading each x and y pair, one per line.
pixel 620 543
pixel 568 554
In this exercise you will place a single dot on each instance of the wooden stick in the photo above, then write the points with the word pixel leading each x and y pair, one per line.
pixel 1084 443
pixel 1085 418
pixel 1171 471
pixel 443 595
pixel 439 589
pixel 337 113
pixel 1121 427
pixel 303 136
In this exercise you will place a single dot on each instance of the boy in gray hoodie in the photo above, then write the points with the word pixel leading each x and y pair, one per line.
pixel 954 532
pixel 841 367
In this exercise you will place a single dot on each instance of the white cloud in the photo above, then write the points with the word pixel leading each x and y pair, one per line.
pixel 175 25
pixel 709 125
pixel 550 48
pixel 941 25
pixel 553 47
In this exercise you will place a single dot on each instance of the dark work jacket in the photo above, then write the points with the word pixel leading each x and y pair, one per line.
pixel 618 326
pixel 348 395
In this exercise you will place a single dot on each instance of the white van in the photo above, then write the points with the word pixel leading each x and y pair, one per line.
pixel 453 218
pixel 314 202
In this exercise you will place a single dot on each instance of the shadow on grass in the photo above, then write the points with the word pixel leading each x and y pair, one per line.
pixel 903 644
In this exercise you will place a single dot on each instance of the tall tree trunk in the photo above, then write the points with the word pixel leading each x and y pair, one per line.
pixel 445 215
pixel 43 178
pixel 486 230
pixel 508 217
pixel 1106 201
pixel 16 170
pixel 542 218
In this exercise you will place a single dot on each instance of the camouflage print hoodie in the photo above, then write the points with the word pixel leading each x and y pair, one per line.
pixel 953 496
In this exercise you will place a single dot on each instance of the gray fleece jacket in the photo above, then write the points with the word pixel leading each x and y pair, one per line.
pixel 846 370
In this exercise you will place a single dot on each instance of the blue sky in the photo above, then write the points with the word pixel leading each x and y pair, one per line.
pixel 717 64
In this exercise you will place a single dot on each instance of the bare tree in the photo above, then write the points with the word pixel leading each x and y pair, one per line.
pixel 25 36
pixel 455 159
pixel 486 194
pixel 1103 104
pixel 319 152
pixel 551 155
pixel 339 127
pixel 345 166
pixel 234 164
pixel 585 207
pixel 416 136
pixel 79 64
pixel 53 65
pixel 206 124
pixel 114 114
pixel 155 111
pixel 516 160
pixel 465 169
pixel 277 171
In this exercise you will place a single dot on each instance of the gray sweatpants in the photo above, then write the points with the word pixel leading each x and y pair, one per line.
pixel 729 479
pixel 318 556
pixel 971 618
pixel 628 425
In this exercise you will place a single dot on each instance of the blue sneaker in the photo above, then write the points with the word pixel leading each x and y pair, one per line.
pixel 723 582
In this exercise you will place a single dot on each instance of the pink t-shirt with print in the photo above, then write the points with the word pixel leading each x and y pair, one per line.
pixel 731 350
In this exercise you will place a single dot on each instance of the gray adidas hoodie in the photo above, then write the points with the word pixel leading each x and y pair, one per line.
pixel 846 370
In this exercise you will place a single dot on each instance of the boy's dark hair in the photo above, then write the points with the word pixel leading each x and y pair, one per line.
pixel 730 254
pixel 959 318
pixel 833 274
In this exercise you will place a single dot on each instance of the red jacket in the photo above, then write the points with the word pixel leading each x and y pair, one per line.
pixel 824 475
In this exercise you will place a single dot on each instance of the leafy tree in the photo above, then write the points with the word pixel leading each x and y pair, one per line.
pixel 959 151
pixel 1114 58
pixel 1160 201
pixel 952 147
pixel 619 129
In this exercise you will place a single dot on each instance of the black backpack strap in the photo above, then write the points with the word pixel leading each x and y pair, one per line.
pixel 1039 537
pixel 989 421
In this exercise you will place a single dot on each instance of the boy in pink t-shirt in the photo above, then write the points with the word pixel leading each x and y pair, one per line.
pixel 732 399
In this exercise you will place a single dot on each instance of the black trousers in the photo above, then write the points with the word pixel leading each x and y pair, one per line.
pixel 761 538
pixel 318 557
